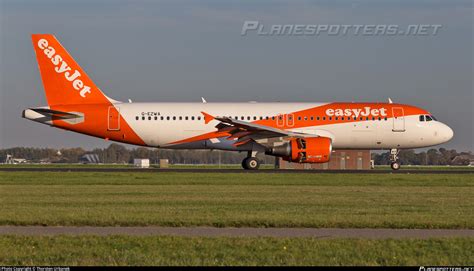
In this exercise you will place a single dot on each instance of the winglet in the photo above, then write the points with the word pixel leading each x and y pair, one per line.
pixel 207 117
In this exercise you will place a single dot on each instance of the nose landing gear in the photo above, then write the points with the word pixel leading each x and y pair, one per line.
pixel 395 165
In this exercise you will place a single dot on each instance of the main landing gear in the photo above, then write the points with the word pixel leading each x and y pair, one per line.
pixel 395 165
pixel 251 162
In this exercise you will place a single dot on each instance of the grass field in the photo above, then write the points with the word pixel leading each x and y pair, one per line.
pixel 240 199
pixel 235 199
pixel 166 250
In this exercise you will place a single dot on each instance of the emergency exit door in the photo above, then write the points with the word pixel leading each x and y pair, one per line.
pixel 113 121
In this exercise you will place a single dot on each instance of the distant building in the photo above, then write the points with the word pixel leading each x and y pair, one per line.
pixel 89 158
pixel 340 159
pixel 11 160
pixel 141 163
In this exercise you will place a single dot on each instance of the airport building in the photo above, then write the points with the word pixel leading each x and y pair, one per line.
pixel 340 159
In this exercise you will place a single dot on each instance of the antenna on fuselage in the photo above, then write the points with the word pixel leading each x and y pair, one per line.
pixel 390 100
pixel 203 100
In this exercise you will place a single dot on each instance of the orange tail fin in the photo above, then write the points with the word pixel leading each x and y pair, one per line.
pixel 64 80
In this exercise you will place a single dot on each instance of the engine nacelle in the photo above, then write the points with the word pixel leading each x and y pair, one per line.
pixel 304 150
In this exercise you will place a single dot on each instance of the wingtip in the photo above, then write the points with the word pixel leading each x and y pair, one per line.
pixel 207 117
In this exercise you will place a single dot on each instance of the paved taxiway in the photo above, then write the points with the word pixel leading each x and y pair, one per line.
pixel 213 170
pixel 238 232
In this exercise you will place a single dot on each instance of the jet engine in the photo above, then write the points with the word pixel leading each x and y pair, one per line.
pixel 304 150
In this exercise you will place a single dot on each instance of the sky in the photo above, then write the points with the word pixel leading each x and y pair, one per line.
pixel 164 51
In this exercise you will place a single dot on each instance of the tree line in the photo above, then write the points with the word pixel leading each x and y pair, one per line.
pixel 119 154
pixel 116 153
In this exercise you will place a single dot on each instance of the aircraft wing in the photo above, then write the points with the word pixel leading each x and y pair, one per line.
pixel 245 131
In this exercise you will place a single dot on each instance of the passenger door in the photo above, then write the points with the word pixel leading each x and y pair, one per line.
pixel 398 119
pixel 113 120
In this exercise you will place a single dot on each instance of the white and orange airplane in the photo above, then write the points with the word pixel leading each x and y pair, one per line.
pixel 297 132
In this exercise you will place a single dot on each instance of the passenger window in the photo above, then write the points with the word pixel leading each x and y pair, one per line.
pixel 312 118
pixel 156 118
pixel 143 118
pixel 192 117
pixel 137 118
pixel 385 118
pixel 336 118
pixel 342 118
pixel 330 118
pixel 428 118
pixel 317 118
pixel 273 118
pixel 305 118
pixel 254 118
pixel 199 118
pixel 266 117
pixel 261 118
pixel 324 118
pixel 186 118
pixel 174 118
pixel 299 118
pixel 161 118
pixel 168 118
pixel 180 118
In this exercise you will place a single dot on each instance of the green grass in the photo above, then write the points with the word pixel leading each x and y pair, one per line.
pixel 167 250
pixel 105 166
pixel 240 199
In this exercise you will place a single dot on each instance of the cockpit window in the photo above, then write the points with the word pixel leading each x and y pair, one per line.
pixel 433 117
pixel 422 118
pixel 428 118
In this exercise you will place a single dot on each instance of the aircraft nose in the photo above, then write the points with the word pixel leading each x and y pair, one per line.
pixel 447 133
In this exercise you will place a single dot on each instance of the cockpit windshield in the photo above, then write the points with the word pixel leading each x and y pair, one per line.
pixel 427 118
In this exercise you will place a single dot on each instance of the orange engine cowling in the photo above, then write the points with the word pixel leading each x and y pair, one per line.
pixel 309 150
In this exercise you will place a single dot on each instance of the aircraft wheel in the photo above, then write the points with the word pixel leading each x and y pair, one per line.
pixel 395 166
pixel 244 164
pixel 251 163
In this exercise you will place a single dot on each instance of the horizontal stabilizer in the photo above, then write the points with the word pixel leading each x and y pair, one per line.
pixel 56 113
pixel 46 115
